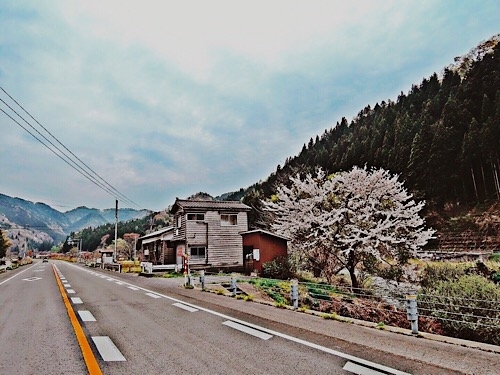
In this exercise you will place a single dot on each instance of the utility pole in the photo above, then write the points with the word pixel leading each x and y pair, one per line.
pixel 116 229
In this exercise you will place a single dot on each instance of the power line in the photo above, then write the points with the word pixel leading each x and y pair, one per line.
pixel 57 140
pixel 86 171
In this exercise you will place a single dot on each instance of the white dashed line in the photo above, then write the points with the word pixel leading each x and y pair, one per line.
pixel 185 307
pixel 76 300
pixel 86 316
pixel 245 329
pixel 133 288
pixel 153 295
pixel 361 370
pixel 70 291
pixel 107 349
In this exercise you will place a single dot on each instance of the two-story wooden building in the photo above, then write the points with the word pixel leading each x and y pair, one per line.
pixel 209 232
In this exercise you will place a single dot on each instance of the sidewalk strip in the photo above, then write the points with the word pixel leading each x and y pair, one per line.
pixel 88 356
pixel 86 316
pixel 107 349
pixel 245 329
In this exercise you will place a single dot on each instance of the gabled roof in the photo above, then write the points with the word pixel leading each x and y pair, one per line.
pixel 157 235
pixel 265 232
pixel 207 205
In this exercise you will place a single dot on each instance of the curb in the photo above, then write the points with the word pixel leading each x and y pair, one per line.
pixel 428 336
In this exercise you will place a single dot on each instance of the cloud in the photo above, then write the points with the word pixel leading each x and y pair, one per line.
pixel 168 98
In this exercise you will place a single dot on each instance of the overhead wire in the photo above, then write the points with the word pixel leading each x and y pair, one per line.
pixel 77 158
pixel 80 166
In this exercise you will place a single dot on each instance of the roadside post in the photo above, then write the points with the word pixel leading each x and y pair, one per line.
pixel 233 284
pixel 294 293
pixel 202 279
pixel 412 313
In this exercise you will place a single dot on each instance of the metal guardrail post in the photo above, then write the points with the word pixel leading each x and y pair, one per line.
pixel 202 279
pixel 233 284
pixel 412 312
pixel 294 293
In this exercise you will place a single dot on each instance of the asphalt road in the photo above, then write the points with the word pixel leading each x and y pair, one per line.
pixel 136 325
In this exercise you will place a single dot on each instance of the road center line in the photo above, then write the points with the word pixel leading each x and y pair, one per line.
pixel 88 355
pixel 107 349
pixel 86 316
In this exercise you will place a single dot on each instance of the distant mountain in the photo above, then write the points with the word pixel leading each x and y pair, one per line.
pixel 20 215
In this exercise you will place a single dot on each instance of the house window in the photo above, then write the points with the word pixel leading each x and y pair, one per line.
pixel 179 221
pixel 198 252
pixel 227 219
pixel 196 217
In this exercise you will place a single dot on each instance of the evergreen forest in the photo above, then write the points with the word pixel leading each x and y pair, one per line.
pixel 442 138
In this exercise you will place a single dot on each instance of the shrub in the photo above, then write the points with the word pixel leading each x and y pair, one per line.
pixel 468 307
pixel 436 272
pixel 280 268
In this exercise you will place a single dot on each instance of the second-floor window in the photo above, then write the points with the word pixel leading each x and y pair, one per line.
pixel 228 219
pixel 196 217
pixel 198 252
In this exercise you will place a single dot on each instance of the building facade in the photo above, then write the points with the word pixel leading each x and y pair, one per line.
pixel 209 232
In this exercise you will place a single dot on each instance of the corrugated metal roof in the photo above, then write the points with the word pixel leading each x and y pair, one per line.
pixel 208 205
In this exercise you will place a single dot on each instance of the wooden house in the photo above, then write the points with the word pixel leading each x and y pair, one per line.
pixel 156 247
pixel 260 246
pixel 209 232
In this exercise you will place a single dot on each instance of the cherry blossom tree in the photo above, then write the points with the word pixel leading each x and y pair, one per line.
pixel 341 220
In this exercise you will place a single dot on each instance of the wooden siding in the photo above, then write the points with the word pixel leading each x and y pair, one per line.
pixel 223 243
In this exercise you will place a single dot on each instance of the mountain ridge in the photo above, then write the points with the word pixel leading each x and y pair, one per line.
pixel 19 216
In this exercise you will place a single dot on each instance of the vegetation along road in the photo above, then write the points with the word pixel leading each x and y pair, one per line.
pixel 60 318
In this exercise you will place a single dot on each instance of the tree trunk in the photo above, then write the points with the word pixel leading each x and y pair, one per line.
pixel 351 267
pixel 474 183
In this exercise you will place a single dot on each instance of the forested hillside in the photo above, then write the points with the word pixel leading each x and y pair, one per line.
pixel 443 137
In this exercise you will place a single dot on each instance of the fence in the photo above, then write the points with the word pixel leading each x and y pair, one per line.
pixel 473 319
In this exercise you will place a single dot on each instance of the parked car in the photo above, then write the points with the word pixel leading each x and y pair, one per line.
pixel 45 260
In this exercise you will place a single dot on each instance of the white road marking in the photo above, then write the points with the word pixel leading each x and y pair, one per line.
pixel 246 329
pixel 361 370
pixel 32 279
pixel 17 274
pixel 324 349
pixel 185 307
pixel 133 288
pixel 107 349
pixel 70 291
pixel 110 279
pixel 86 316
pixel 67 285
pixel 76 300
pixel 119 283
pixel 153 295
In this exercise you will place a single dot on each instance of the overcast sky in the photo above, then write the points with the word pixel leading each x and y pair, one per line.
pixel 163 99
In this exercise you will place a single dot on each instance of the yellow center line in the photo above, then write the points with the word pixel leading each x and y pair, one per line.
pixel 88 355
